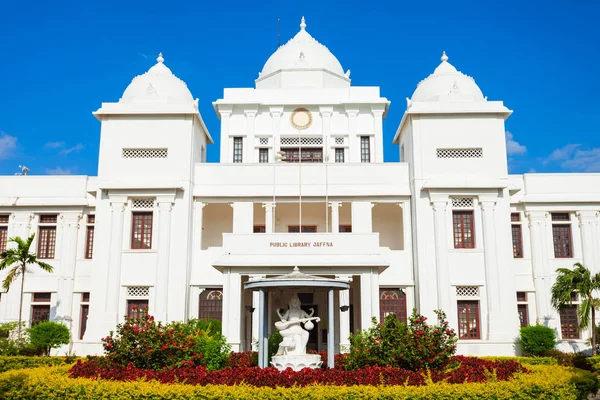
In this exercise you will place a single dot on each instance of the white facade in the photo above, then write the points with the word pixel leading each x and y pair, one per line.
pixel 434 229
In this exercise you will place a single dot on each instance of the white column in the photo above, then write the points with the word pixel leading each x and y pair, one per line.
pixel 362 217
pixel 344 300
pixel 243 216
pixel 68 256
pixel 335 216
pixel 276 113
pixel 538 226
pixel 495 327
pixel 326 129
pixel 588 222
pixel 226 154
pixel 353 145
pixel 366 312
pixel 377 148
pixel 256 314
pixel 375 292
pixel 269 222
pixel 406 229
pixel 113 276
pixel 441 254
pixel 164 250
pixel 232 303
pixel 249 155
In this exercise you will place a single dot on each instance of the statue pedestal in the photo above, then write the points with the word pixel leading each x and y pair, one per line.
pixel 296 362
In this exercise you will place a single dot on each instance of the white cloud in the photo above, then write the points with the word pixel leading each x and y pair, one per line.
pixel 8 145
pixel 59 171
pixel 573 157
pixel 76 148
pixel 513 147
pixel 54 145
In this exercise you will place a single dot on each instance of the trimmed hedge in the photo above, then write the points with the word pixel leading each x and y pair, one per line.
pixel 548 382
pixel 8 363
pixel 525 360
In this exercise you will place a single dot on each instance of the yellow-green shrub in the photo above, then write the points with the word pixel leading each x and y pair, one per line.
pixel 594 362
pixel 547 382
pixel 525 360
pixel 8 363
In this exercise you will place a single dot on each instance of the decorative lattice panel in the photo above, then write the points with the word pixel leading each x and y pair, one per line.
pixel 145 153
pixel 462 202
pixel 142 204
pixel 467 291
pixel 339 141
pixel 138 291
pixel 306 141
pixel 263 141
pixel 460 153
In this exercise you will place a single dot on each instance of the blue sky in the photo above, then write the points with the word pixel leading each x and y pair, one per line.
pixel 61 60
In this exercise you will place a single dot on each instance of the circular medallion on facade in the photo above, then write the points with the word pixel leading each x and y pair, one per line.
pixel 301 118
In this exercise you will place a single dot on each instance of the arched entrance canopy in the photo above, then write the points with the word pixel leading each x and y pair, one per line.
pixel 293 280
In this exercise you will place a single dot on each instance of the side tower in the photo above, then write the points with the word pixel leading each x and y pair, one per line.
pixel 454 141
pixel 150 141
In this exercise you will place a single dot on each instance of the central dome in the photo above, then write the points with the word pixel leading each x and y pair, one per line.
pixel 302 52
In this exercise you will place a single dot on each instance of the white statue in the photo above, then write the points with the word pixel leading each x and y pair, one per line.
pixel 295 337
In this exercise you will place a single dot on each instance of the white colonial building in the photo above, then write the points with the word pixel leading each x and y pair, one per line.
pixel 302 182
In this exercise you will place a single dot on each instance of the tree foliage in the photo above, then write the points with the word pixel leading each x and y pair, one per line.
pixel 537 339
pixel 49 335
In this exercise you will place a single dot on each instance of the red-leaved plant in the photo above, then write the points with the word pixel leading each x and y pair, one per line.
pixel 413 346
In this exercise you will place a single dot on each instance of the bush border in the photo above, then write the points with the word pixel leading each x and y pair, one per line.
pixel 555 382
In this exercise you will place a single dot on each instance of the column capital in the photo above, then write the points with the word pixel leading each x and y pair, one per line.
pixel 352 112
pixel 326 112
pixel 439 205
pixel 118 205
pixel 268 205
pixel 276 112
pixel 487 204
pixel 587 216
pixel 335 204
pixel 165 206
pixel 250 113
pixel 71 219
pixel 345 278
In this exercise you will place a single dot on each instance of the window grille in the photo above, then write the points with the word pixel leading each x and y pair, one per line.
pixel 142 204
pixel 306 141
pixel 145 153
pixel 136 308
pixel 138 291
pixel 4 219
pixel 141 230
pixel 463 227
pixel 476 152
pixel 515 217
pixel 48 218
pixel 467 291
pixel 563 244
pixel 339 155
pixel 211 304
pixel 46 241
pixel 263 141
pixel 365 149
pixel 569 323
pixel 523 314
pixel 392 301
pixel 517 241
pixel 263 155
pixel 238 147
pixel 468 320
pixel 462 202
pixel 561 217
pixel 339 141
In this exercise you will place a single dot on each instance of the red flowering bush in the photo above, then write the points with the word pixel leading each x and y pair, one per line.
pixel 470 369
pixel 411 346
pixel 243 360
pixel 146 344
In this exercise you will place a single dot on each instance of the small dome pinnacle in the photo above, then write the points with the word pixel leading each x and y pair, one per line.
pixel 160 58
pixel 444 56
pixel 303 24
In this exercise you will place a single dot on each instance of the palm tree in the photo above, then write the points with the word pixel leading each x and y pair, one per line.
pixel 578 280
pixel 20 256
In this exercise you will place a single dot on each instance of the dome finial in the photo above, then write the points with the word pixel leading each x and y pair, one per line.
pixel 160 58
pixel 444 56
pixel 303 24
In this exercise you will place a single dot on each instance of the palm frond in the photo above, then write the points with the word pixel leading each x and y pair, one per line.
pixel 44 266
pixel 9 257
pixel 10 277
pixel 584 313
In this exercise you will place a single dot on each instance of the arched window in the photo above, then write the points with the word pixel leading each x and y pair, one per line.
pixel 211 304
pixel 392 301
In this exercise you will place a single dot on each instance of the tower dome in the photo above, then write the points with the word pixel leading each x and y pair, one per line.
pixel 302 52
pixel 158 85
pixel 447 84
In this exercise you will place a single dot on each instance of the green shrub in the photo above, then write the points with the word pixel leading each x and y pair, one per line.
pixel 525 360
pixel 49 335
pixel 594 363
pixel 21 362
pixel 393 343
pixel 274 339
pixel 148 344
pixel 536 339
pixel 12 345
pixel 544 382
